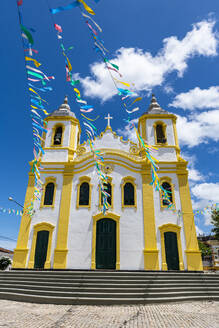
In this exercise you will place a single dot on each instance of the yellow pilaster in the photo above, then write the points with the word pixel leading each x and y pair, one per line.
pixel 60 254
pixel 194 261
pixel 21 251
pixel 150 242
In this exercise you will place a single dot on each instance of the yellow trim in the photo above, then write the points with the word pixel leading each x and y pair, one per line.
pixel 73 142
pixel 96 218
pixel 39 227
pixel 21 251
pixel 159 116
pixel 131 180
pixel 112 194
pixel 64 119
pixel 60 253
pixel 176 140
pixel 150 242
pixel 54 128
pixel 169 180
pixel 81 180
pixel 164 128
pixel 194 261
pixel 48 180
pixel 170 227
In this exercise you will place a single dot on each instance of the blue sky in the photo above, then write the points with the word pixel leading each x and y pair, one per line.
pixel 167 47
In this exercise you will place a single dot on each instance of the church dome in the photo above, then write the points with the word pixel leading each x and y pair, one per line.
pixel 63 110
pixel 155 108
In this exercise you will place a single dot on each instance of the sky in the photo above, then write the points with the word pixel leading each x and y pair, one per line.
pixel 169 48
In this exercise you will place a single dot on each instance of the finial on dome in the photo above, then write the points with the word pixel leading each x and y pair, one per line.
pixel 65 105
pixel 66 100
pixel 154 107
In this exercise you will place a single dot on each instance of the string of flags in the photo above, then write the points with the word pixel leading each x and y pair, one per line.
pixel 35 76
pixel 38 105
pixel 85 108
pixel 10 211
pixel 126 95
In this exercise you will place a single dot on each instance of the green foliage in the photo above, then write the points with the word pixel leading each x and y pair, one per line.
pixel 204 248
pixel 4 262
pixel 215 222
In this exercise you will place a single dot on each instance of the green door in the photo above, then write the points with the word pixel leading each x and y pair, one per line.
pixel 171 249
pixel 41 249
pixel 106 244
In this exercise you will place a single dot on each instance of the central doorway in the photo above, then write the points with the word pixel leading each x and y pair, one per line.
pixel 106 244
pixel 171 249
pixel 41 249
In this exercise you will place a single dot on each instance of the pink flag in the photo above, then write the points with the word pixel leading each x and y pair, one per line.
pixel 58 28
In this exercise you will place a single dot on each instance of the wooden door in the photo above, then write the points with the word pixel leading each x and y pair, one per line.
pixel 106 244
pixel 171 249
pixel 41 249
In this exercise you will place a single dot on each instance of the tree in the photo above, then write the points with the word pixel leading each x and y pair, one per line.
pixel 215 222
pixel 205 249
pixel 4 262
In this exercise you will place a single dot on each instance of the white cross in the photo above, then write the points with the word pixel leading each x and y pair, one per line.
pixel 108 118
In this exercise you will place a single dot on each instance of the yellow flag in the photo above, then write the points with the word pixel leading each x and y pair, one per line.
pixel 89 10
pixel 78 92
pixel 37 64
pixel 125 83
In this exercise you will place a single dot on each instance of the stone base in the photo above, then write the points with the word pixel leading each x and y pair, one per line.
pixel 60 259
pixel 20 258
pixel 151 259
pixel 194 260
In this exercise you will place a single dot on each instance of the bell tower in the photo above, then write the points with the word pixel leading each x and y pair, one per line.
pixel 63 135
pixel 158 128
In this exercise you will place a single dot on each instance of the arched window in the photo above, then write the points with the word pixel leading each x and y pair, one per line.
pixel 167 186
pixel 57 140
pixel 160 134
pixel 129 194
pixel 49 194
pixel 84 194
pixel 108 189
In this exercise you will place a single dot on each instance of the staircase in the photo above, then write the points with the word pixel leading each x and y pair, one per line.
pixel 107 287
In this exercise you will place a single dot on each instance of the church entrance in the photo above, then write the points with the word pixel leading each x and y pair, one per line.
pixel 106 244
pixel 41 249
pixel 171 249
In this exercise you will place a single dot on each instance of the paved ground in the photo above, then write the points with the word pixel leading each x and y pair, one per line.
pixel 179 315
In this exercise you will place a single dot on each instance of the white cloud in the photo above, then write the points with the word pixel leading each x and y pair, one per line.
pixel 146 70
pixel 129 133
pixel 207 191
pixel 194 174
pixel 207 195
pixel 199 231
pixel 199 128
pixel 197 99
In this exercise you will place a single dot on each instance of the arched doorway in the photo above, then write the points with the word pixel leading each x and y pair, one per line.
pixel 106 244
pixel 171 250
pixel 41 249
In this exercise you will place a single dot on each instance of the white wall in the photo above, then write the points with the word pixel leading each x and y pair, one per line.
pixel 131 224
pixel 165 215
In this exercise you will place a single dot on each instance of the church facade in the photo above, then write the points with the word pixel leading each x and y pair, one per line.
pixel 138 232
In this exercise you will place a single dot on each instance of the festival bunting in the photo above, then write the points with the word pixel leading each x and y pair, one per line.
pixel 126 94
pixel 90 129
pixel 37 107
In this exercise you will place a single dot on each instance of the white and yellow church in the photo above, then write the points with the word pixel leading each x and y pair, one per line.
pixel 138 232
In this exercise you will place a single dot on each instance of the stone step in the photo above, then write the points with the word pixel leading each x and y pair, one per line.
pixel 84 284
pixel 104 280
pixel 111 289
pixel 108 275
pixel 100 301
pixel 146 294
pixel 91 274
